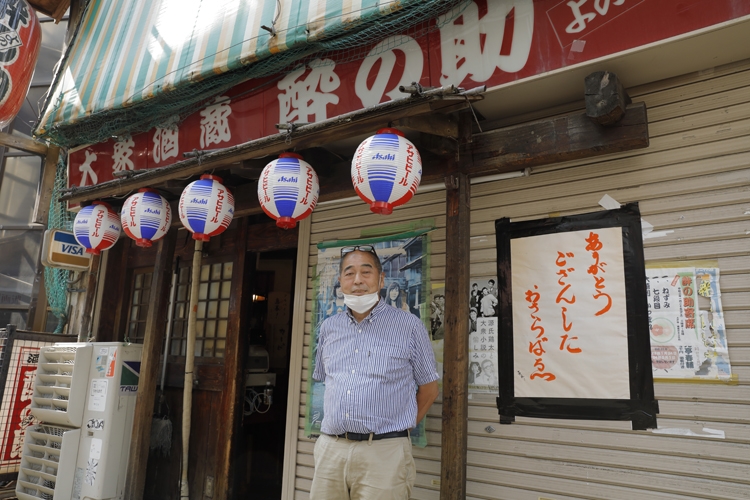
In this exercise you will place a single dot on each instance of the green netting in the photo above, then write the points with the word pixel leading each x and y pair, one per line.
pixel 343 41
pixel 55 279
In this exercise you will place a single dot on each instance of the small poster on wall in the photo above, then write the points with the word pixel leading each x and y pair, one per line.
pixel 573 319
pixel 437 325
pixel 686 322
pixel 483 336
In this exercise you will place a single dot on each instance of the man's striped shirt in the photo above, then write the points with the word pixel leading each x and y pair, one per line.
pixel 372 370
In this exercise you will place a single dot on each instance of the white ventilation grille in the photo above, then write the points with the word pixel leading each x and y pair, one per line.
pixel 58 385
pixel 49 457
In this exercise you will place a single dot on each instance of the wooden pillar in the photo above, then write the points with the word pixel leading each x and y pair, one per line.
pixel 38 306
pixel 456 347
pixel 87 315
pixel 156 325
pixel 234 356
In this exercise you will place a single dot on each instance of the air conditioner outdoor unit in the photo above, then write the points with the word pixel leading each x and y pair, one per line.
pixel 84 397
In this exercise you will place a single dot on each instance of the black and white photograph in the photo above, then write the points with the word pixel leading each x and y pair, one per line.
pixel 483 339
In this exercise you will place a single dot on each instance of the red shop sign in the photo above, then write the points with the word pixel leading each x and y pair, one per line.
pixel 492 42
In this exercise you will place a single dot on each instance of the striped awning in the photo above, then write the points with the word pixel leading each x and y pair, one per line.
pixel 129 53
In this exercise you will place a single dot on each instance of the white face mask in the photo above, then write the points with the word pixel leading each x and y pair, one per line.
pixel 360 304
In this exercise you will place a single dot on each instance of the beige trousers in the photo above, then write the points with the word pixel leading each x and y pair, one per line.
pixel 363 470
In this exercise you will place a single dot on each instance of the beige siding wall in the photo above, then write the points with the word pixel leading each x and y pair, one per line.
pixel 692 182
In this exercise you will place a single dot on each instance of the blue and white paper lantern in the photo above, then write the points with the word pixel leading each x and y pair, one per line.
pixel 206 207
pixel 96 227
pixel 146 217
pixel 288 190
pixel 386 170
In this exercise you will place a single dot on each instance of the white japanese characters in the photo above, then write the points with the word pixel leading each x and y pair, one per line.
pixel 581 18
pixel 121 157
pixel 215 123
pixel 166 143
pixel 87 171
pixel 412 71
pixel 307 91
pixel 475 47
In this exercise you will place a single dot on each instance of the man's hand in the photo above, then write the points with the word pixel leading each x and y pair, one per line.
pixel 426 395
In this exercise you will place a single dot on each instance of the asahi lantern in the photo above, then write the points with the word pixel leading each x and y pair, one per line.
pixel 20 40
pixel 206 207
pixel 96 227
pixel 288 190
pixel 386 170
pixel 146 217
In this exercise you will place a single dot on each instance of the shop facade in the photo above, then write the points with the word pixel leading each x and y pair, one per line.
pixel 683 156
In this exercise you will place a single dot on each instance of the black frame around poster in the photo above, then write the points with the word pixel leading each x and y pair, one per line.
pixel 14 335
pixel 642 407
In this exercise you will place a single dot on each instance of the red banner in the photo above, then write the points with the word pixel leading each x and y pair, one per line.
pixel 491 42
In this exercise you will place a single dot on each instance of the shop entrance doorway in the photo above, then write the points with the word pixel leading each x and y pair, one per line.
pixel 260 441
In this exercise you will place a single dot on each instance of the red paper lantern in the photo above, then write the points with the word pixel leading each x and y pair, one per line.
pixel 21 37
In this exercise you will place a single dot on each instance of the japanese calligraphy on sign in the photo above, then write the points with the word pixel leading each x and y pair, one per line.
pixel 686 323
pixel 16 406
pixel 569 315
pixel 484 42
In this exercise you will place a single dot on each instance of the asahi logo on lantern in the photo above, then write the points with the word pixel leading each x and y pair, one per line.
pixel 147 217
pixel 207 207
pixel 97 224
pixel 409 164
pixel 133 209
pixel 219 204
pixel 264 185
pixel 358 164
pixel 288 190
pixel 96 227
pixel 167 222
pixel 386 170
pixel 308 187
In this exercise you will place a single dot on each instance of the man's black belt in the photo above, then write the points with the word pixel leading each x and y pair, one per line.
pixel 356 436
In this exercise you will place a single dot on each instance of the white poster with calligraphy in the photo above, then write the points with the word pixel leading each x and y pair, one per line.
pixel 686 323
pixel 569 315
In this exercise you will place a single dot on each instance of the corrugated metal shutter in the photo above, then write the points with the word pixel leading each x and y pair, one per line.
pixel 692 182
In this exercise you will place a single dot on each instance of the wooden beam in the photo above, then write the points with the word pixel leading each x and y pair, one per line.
pixel 568 137
pixel 23 144
pixel 234 373
pixel 156 325
pixel 348 125
pixel 440 125
pixel 456 348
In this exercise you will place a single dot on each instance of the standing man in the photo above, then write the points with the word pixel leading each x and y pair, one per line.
pixel 379 370
pixel 488 304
